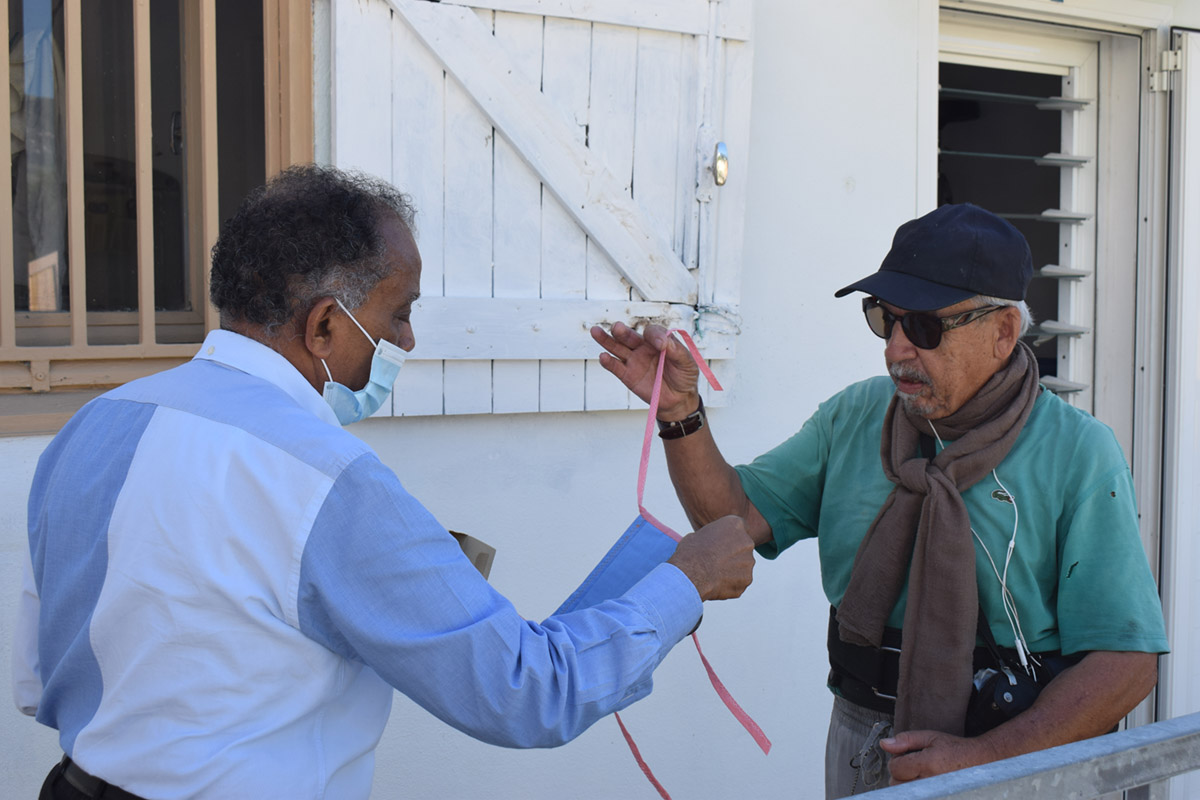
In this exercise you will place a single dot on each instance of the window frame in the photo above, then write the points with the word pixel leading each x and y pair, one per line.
pixel 77 371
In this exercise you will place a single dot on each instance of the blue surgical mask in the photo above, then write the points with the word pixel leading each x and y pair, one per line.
pixel 350 406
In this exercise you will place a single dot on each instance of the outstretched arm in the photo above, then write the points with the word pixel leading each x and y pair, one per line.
pixel 707 486
pixel 1084 701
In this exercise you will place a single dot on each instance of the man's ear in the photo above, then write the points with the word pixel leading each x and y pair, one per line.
pixel 318 331
pixel 1008 331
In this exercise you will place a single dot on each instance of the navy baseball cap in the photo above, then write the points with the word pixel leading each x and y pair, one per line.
pixel 947 256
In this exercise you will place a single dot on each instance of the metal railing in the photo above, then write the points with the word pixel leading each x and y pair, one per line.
pixel 1139 760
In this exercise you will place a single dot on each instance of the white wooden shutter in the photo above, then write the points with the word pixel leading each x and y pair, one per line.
pixel 559 155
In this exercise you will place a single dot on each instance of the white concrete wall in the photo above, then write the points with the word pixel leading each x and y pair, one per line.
pixel 832 170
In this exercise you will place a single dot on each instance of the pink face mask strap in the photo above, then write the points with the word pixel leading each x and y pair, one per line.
pixel 734 708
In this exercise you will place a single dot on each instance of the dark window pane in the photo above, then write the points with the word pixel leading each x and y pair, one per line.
pixel 241 137
pixel 970 125
pixel 171 282
pixel 38 155
pixel 109 190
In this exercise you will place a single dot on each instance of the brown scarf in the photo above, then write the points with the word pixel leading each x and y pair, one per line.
pixel 924 521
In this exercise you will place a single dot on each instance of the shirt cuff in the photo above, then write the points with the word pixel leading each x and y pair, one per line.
pixel 670 600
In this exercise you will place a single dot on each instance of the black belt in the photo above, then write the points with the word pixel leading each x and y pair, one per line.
pixel 867 676
pixel 92 786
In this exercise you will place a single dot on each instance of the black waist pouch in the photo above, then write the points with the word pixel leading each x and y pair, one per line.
pixel 1002 688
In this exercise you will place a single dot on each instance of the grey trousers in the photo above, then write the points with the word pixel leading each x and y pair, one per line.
pixel 854 762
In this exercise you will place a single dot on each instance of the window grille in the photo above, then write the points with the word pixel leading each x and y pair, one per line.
pixel 116 191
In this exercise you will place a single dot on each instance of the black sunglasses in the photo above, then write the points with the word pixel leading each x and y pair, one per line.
pixel 923 330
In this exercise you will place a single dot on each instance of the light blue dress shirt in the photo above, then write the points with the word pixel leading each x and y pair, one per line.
pixel 225 586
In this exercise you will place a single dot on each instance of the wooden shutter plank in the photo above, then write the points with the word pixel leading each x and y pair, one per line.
pixel 657 137
pixel 468 387
pixel 515 386
pixel 418 153
pixel 614 69
pixel 574 173
pixel 734 20
pixel 610 131
pixel 468 177
pixel 418 390
pixel 720 284
pixel 707 191
pixel 726 280
pixel 698 56
pixel 467 328
pixel 362 137
pixel 688 209
pixel 468 243
pixel 566 56
pixel 518 211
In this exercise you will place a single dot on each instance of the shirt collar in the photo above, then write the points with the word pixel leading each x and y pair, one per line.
pixel 254 358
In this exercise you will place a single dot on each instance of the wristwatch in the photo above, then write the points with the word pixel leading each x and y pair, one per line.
pixel 677 429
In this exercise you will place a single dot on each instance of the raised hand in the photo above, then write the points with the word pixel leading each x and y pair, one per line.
pixel 633 359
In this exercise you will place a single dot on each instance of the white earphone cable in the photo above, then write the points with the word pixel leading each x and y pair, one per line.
pixel 1007 601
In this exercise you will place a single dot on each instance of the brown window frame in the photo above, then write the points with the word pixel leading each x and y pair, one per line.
pixel 41 386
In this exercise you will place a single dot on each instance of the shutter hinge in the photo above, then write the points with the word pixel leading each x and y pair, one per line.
pixel 1169 61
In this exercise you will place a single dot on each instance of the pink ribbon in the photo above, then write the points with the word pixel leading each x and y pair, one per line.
pixel 739 714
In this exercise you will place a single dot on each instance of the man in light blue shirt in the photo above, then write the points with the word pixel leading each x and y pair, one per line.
pixel 225 586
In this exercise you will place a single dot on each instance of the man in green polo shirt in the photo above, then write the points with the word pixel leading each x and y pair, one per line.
pixel 978 536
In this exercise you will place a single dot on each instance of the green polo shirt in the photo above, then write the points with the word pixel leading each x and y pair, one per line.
pixel 1078 573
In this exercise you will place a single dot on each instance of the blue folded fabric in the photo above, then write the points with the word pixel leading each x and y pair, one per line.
pixel 640 549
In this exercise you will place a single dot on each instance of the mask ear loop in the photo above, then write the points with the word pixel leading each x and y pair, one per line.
pixel 356 322
pixel 360 327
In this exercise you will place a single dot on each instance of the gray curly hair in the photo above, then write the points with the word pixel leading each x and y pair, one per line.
pixel 310 232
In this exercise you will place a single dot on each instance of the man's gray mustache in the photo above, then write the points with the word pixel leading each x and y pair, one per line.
pixel 906 373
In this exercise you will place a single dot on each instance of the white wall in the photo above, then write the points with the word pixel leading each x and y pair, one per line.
pixel 27 750
pixel 832 170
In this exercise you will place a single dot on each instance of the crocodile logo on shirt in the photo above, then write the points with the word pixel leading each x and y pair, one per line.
pixel 1002 496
